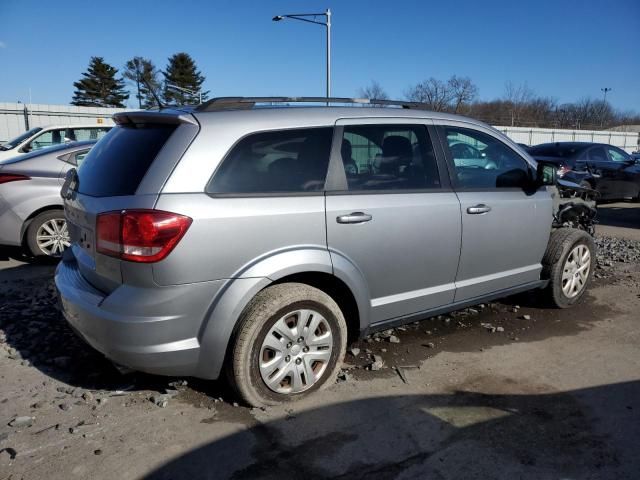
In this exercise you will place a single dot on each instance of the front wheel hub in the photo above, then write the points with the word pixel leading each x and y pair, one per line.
pixel 575 272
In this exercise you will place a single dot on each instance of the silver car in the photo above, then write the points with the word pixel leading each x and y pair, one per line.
pixel 259 241
pixel 31 209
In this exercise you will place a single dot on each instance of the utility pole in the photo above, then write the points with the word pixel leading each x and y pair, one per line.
pixel 605 90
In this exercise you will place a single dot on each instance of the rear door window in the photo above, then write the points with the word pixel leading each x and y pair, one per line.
pixel 118 162
pixel 597 154
pixel 284 161
pixel 388 157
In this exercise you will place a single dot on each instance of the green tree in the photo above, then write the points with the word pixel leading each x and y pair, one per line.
pixel 142 73
pixel 99 86
pixel 183 73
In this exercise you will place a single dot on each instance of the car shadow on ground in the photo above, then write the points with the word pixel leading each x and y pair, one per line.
pixel 589 433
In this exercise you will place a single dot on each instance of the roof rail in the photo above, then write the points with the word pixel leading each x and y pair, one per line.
pixel 243 103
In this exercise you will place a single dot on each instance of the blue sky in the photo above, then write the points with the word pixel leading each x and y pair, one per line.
pixel 564 49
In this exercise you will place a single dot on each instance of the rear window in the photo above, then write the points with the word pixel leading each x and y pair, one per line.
pixel 284 161
pixel 118 162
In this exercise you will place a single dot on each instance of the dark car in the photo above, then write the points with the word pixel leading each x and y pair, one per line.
pixel 610 170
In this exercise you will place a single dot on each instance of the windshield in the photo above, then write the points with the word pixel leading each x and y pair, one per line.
pixel 14 142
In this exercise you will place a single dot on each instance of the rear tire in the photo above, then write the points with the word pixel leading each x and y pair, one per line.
pixel 568 263
pixel 290 343
pixel 47 234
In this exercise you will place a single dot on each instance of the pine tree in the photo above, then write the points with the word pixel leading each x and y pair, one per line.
pixel 99 87
pixel 142 73
pixel 182 72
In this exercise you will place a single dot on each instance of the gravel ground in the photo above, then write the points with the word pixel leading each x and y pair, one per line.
pixel 66 409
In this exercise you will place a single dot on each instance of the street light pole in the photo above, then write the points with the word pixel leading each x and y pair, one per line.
pixel 303 17
pixel 328 14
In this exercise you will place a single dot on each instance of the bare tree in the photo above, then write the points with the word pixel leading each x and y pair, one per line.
pixel 517 96
pixel 373 91
pixel 463 91
pixel 436 94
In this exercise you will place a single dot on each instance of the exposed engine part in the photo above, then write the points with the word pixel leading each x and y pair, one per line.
pixel 574 206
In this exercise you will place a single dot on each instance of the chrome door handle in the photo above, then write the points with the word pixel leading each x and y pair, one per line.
pixel 354 217
pixel 479 209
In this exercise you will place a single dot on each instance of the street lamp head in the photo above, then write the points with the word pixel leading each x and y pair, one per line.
pixel 277 18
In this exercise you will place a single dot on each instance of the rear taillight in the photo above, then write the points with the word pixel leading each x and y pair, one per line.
pixel 12 177
pixel 563 170
pixel 139 235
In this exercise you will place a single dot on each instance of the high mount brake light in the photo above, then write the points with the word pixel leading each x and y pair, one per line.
pixel 12 177
pixel 144 236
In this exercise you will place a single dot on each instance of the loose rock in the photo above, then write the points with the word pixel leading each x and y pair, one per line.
pixel 21 422
pixel 377 364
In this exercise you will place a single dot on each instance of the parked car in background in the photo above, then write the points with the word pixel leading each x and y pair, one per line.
pixel 42 137
pixel 257 241
pixel 610 170
pixel 31 213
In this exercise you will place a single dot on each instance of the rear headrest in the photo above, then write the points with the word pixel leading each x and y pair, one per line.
pixel 396 146
pixel 346 150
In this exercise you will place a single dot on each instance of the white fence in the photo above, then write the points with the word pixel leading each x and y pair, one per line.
pixel 628 141
pixel 16 118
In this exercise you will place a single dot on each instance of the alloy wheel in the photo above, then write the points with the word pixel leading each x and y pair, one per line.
pixel 52 237
pixel 576 271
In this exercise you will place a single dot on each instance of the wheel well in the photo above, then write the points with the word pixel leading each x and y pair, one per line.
pixel 336 289
pixel 27 222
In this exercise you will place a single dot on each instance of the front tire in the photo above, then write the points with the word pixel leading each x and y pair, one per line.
pixel 568 263
pixel 291 342
pixel 47 234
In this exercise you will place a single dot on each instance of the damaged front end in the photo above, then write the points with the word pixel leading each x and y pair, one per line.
pixel 574 206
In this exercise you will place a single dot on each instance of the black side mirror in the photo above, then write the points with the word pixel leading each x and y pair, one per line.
pixel 546 173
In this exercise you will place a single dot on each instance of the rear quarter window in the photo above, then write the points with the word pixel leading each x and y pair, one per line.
pixel 118 162
pixel 283 161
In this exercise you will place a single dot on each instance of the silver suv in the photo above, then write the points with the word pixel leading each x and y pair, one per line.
pixel 258 240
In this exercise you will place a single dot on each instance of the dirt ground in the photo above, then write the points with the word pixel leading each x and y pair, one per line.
pixel 506 390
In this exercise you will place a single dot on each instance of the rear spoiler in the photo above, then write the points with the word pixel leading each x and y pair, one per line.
pixel 144 116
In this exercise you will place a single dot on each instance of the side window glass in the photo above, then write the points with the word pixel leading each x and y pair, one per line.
pixel 617 155
pixel 483 161
pixel 47 139
pixel 389 157
pixel 286 161
pixel 597 154
pixel 80 156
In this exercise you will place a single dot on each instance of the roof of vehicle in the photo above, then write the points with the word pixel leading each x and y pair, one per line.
pixel 298 110
pixel 568 144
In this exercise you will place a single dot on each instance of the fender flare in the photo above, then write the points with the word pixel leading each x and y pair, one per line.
pixel 232 298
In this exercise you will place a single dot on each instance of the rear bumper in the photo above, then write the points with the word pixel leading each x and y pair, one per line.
pixel 153 329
